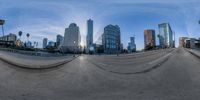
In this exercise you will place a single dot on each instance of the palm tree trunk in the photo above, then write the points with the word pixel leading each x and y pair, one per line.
pixel 2 30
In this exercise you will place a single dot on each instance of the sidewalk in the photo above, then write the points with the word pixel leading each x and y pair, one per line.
pixel 34 62
pixel 194 52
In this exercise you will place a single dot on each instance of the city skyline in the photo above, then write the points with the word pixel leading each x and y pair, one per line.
pixel 133 17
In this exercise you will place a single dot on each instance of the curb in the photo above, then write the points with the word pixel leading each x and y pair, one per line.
pixel 39 66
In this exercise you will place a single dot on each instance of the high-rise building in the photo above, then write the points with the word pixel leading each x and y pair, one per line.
pixel 149 39
pixel 132 45
pixel 121 47
pixel 111 39
pixel 174 41
pixel 89 37
pixel 182 41
pixel 8 40
pixel 72 39
pixel 59 39
pixel 9 37
pixel 190 43
pixel 51 44
pixel 28 44
pixel 165 35
pixel 45 42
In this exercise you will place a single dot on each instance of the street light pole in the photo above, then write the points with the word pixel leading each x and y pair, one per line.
pixel 74 48
pixel 2 23
pixel 117 49
pixel 174 40
pixel 3 30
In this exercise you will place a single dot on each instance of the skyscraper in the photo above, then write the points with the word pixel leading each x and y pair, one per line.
pixel 165 35
pixel 132 45
pixel 149 39
pixel 8 40
pixel 9 37
pixel 72 39
pixel 111 39
pixel 59 39
pixel 89 37
pixel 45 42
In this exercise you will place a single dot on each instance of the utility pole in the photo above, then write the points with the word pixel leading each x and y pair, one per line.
pixel 174 39
pixel 2 23
pixel 74 48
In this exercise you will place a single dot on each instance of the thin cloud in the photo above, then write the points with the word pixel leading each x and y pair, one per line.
pixel 46 18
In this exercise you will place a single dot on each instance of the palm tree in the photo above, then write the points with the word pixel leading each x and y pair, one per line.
pixel 34 43
pixel 20 34
pixel 28 35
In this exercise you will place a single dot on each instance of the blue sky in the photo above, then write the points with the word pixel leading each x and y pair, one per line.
pixel 47 18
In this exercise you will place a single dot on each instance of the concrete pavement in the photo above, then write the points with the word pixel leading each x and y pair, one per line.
pixel 195 52
pixel 33 62
pixel 131 64
pixel 176 79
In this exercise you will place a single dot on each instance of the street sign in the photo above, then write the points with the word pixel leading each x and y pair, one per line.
pixel 2 22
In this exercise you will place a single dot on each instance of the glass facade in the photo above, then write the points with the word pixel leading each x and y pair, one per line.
pixel 59 40
pixel 111 39
pixel 10 37
pixel 165 35
pixel 131 45
pixel 89 37
pixel 149 39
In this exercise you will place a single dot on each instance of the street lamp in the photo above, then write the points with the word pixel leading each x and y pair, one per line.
pixel 117 49
pixel 2 23
pixel 74 47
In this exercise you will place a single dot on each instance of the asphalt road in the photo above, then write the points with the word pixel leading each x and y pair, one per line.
pixel 176 79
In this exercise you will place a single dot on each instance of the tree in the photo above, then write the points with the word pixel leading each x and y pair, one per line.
pixel 34 43
pixel 158 35
pixel 20 34
pixel 28 35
